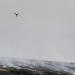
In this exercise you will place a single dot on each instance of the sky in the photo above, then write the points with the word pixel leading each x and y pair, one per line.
pixel 44 29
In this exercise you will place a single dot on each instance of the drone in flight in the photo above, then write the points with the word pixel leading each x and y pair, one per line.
pixel 16 14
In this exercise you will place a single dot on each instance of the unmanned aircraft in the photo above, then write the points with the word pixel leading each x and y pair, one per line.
pixel 16 14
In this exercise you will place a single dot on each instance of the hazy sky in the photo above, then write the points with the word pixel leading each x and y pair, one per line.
pixel 44 29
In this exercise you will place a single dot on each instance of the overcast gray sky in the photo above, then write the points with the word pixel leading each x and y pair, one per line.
pixel 44 29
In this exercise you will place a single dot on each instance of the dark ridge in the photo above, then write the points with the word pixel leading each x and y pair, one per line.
pixel 14 71
pixel 16 67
